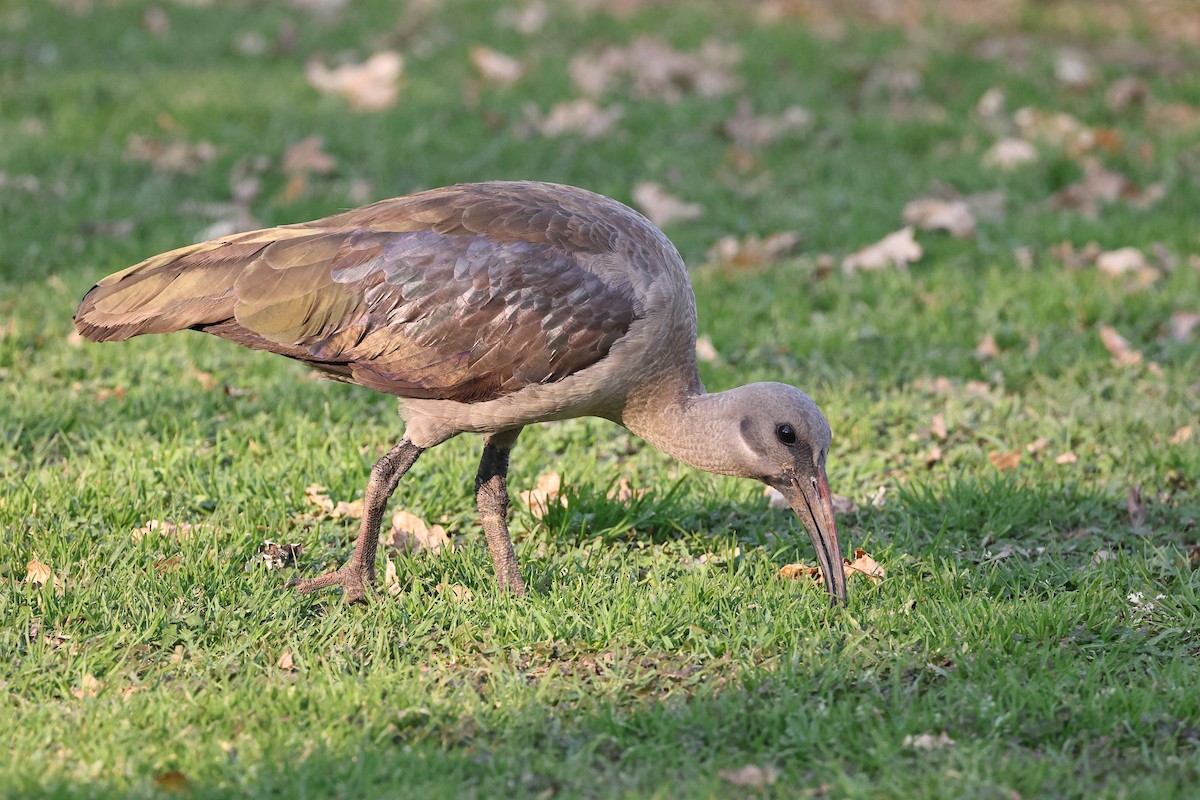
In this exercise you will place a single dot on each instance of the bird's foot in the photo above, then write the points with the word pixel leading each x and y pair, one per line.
pixel 351 577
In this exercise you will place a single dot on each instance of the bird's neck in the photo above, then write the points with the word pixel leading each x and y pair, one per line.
pixel 696 427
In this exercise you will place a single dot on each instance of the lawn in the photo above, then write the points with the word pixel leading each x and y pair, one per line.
pixel 1016 412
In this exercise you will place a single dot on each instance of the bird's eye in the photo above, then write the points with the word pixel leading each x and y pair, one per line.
pixel 786 433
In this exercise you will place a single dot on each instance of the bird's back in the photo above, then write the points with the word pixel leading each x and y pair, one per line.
pixel 467 293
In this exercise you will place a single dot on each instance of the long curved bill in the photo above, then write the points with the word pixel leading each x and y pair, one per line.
pixel 813 504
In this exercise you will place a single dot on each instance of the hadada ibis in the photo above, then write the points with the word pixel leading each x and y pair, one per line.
pixel 486 307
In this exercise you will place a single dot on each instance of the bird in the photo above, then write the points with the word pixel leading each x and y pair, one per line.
pixel 486 307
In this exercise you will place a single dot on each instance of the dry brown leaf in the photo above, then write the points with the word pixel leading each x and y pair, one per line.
pixel 897 249
pixel 455 592
pixel 1008 154
pixel 1126 92
pixel 1182 324
pixel 657 71
pixel 544 494
pixel 750 776
pixel 1118 346
pixel 88 687
pixel 176 157
pixel 751 252
pixel 1066 458
pixel 1073 70
pixel 933 456
pixel 749 131
pixel 1182 435
pixel 1121 261
pixel 278 556
pixel 527 18
pixel 796 571
pixel 931 213
pixel 987 348
pixel 864 565
pixel 1178 117
pixel 661 207
pixel 1037 445
pixel 411 534
pixel 583 116
pixel 176 531
pixel 308 155
pixel 1136 508
pixel 39 574
pixel 495 67
pixel 370 86
pixel 938 427
pixel 1055 128
pixel 706 351
pixel 927 741
pixel 316 495
pixel 391 581
pixel 286 661
pixel 1103 186
pixel 1005 461
pixel 622 492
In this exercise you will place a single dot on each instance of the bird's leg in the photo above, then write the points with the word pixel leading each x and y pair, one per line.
pixel 359 571
pixel 491 495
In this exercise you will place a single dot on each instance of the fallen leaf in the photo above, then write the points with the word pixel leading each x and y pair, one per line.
pixel 1136 508
pixel 1008 154
pixel 796 571
pixel 173 782
pixel 751 252
pixel 705 351
pixel 176 157
pixel 308 155
pixel 1100 556
pixel 1103 186
pixel 1066 458
pixel 1181 435
pixel 583 116
pixel 88 687
pixel 278 556
pixel 286 661
pixel 495 67
pixel 864 565
pixel 927 741
pixel 843 505
pixel 989 109
pixel 1118 346
pixel 1056 128
pixel 1182 324
pixel 1126 92
pixel 750 131
pixel 933 456
pixel 167 564
pixel 175 531
pixel 316 495
pixel 656 70
pixel 544 494
pixel 750 776
pixel 1178 117
pixel 391 582
pixel 661 207
pixel 454 591
pixel 931 213
pixel 1005 461
pixel 987 348
pixel 938 427
pixel 372 85
pixel 1037 445
pixel 1073 70
pixel 897 249
pixel 411 534
pixel 775 498
pixel 527 19
pixel 39 574
pixel 156 22
pixel 622 492
pixel 1115 263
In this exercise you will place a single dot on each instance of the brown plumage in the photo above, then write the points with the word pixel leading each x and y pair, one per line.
pixel 487 307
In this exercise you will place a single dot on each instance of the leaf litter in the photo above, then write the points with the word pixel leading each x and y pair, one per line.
pixel 862 564
pixel 656 71
pixel 661 207
pixel 372 85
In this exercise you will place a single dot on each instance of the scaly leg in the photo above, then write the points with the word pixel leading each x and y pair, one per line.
pixel 359 571
pixel 491 495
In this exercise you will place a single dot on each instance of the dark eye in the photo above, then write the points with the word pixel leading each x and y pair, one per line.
pixel 786 433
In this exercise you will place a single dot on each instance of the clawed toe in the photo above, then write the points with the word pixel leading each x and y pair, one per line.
pixel 354 587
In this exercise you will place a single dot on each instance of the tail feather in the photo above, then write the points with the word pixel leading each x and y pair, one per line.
pixel 185 288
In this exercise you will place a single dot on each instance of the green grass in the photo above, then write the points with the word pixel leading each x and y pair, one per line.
pixel 657 646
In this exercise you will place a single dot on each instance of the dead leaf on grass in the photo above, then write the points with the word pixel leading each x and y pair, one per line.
pixel 897 249
pixel 177 157
pixel 526 18
pixel 1066 458
pixel 458 594
pixel 750 776
pixel 544 494
pixel 933 456
pixel 496 68
pixel 1073 70
pixel 1119 348
pixel 775 498
pixel 863 564
pixel 928 741
pixel 583 116
pixel 1056 128
pixel 372 85
pixel 623 492
pixel 1177 117
pixel 1182 324
pixel 937 427
pixel 391 581
pixel 1005 461
pixel 1181 435
pixel 39 574
pixel 1037 445
pixel 706 351
pixel 156 22
pixel 750 131
pixel 88 687
pixel 931 213
pixel 1009 153
pixel 286 661
pixel 987 348
pixel 657 71
pixel 1125 92
pixel 1104 186
pixel 751 252
pixel 308 155
pixel 1121 261
pixel 175 531
pixel 661 207
pixel 411 534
